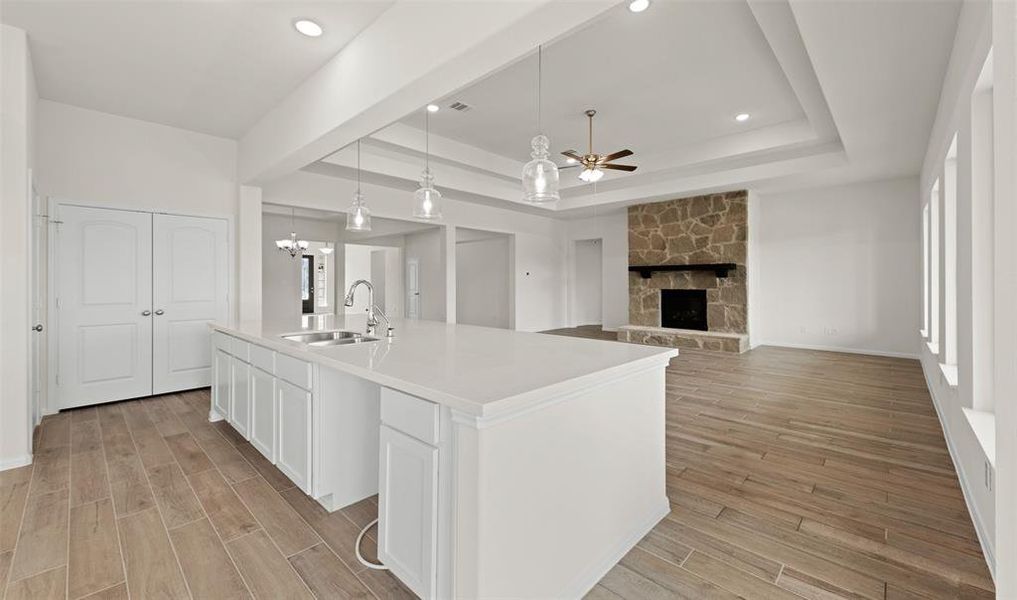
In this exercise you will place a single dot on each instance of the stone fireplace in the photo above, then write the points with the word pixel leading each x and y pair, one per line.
pixel 687 279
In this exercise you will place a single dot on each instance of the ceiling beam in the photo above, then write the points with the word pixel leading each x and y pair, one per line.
pixel 415 52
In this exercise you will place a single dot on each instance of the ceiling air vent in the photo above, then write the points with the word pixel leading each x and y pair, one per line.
pixel 460 106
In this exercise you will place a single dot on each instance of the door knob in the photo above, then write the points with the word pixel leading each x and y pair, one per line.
pixel 38 327
pixel 160 312
pixel 146 313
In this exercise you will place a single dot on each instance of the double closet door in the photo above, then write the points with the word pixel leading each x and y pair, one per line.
pixel 135 292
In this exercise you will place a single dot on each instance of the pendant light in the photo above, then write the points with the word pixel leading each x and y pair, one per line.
pixel 292 245
pixel 427 200
pixel 359 216
pixel 540 175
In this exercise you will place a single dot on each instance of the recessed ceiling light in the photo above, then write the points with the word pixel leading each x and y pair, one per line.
pixel 638 6
pixel 433 108
pixel 308 27
pixel 741 117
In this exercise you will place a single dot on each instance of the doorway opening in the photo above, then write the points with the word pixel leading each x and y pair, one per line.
pixel 588 291
pixel 483 281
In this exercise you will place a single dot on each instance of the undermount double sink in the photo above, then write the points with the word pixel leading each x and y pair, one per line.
pixel 329 338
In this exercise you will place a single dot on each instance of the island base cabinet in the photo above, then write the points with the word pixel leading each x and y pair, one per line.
pixel 222 385
pixel 294 426
pixel 240 407
pixel 408 510
pixel 263 413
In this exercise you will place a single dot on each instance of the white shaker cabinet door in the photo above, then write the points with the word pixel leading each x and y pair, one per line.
pixel 103 275
pixel 240 410
pixel 190 284
pixel 223 376
pixel 263 413
pixel 294 433
pixel 407 510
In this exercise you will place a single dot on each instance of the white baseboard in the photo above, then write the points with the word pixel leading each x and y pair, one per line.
pixel 869 352
pixel 984 538
pixel 17 461
pixel 582 585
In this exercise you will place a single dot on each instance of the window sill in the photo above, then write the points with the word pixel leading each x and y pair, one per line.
pixel 984 425
pixel 949 374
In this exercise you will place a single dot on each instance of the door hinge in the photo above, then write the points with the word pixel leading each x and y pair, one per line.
pixel 58 302
pixel 57 378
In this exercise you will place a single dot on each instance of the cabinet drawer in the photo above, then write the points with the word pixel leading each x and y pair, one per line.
pixel 262 358
pixel 293 370
pixel 221 341
pixel 410 415
pixel 238 348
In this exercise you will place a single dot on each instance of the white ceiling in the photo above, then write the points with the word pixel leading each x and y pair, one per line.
pixel 669 78
pixel 213 67
pixel 838 90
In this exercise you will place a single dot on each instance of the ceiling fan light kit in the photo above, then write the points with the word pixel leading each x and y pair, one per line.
pixel 594 164
pixel 540 175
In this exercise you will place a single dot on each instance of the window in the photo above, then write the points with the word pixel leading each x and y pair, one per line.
pixel 934 255
pixel 926 292
pixel 948 343
pixel 982 240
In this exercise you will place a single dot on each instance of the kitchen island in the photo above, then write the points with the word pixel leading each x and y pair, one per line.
pixel 507 464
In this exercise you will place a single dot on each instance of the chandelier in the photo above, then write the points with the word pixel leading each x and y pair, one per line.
pixel 292 245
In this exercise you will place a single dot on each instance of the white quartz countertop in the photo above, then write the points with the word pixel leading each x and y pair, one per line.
pixel 481 371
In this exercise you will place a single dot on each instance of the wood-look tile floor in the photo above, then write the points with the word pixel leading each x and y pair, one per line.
pixel 802 474
pixel 147 499
pixel 791 474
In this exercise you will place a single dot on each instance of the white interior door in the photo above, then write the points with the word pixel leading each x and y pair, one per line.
pixel 412 289
pixel 190 290
pixel 104 301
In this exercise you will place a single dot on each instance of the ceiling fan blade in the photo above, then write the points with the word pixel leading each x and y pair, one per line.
pixel 616 155
pixel 619 167
pixel 572 166
pixel 572 154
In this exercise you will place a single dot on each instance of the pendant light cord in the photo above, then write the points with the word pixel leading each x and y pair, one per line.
pixel 358 166
pixel 540 82
pixel 427 141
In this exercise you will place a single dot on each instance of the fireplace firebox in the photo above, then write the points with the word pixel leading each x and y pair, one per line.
pixel 683 309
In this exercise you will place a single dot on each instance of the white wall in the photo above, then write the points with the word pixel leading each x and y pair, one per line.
pixel 538 255
pixel 970 451
pixel 482 281
pixel 280 298
pixel 425 247
pixel 612 231
pixel 97 158
pixel 17 130
pixel 838 268
pixel 381 265
pixel 587 301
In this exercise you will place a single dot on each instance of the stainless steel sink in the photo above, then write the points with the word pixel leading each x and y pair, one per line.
pixel 329 338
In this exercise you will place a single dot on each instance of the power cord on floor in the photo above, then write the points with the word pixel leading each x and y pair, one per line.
pixel 360 557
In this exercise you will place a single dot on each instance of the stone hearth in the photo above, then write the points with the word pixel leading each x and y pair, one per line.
pixel 698 230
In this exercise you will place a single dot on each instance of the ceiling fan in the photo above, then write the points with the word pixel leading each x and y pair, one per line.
pixel 594 164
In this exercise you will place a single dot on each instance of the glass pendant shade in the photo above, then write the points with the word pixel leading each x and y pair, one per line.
pixel 427 200
pixel 540 175
pixel 359 217
pixel 591 175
